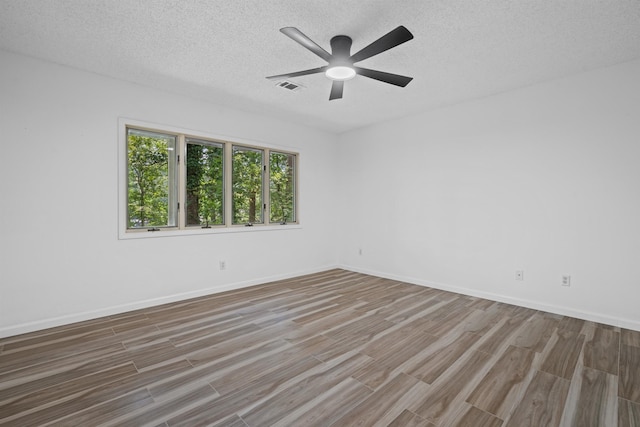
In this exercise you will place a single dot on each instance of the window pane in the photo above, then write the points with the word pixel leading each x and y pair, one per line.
pixel 151 198
pixel 281 187
pixel 204 186
pixel 247 185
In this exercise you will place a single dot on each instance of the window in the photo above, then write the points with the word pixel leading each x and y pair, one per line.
pixel 282 187
pixel 248 173
pixel 205 183
pixel 176 181
pixel 151 179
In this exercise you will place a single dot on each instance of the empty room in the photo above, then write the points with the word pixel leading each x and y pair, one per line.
pixel 304 213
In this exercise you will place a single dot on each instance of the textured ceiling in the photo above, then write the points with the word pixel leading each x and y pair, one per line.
pixel 222 50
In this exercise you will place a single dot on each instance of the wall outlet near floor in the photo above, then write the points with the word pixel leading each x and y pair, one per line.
pixel 223 265
pixel 519 274
pixel 566 280
pixel 359 251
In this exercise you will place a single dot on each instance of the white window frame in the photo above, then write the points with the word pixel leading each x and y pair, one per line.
pixel 228 143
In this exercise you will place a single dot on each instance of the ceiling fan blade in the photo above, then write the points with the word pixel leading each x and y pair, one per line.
pixel 394 79
pixel 305 41
pixel 392 39
pixel 300 73
pixel 336 89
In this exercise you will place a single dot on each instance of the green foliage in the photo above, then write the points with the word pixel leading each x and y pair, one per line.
pixel 247 186
pixel 204 186
pixel 148 180
pixel 152 183
pixel 281 187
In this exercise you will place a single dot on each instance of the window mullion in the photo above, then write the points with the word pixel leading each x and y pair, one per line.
pixel 228 184
pixel 182 181
pixel 266 187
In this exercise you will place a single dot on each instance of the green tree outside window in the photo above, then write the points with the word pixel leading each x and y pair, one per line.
pixel 204 184
pixel 281 187
pixel 149 179
pixel 247 185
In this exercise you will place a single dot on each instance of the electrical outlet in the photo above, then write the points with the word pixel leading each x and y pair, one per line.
pixel 566 280
pixel 360 251
pixel 519 274
pixel 223 265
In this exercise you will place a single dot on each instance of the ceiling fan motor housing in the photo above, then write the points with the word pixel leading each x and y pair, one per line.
pixel 341 51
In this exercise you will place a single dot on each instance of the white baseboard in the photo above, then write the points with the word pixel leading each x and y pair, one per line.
pixel 23 328
pixel 536 305
pixel 9 331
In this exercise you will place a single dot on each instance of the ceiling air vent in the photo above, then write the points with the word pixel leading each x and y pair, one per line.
pixel 294 87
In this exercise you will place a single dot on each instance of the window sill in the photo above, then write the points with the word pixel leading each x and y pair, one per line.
pixel 144 234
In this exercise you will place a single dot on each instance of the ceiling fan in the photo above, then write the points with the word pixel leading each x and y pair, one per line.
pixel 340 61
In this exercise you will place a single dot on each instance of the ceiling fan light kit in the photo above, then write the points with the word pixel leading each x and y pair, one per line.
pixel 340 61
pixel 340 72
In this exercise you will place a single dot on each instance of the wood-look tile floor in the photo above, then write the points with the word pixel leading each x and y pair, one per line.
pixel 331 349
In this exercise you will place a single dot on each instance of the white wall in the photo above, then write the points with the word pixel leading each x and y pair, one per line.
pixel 545 179
pixel 60 257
